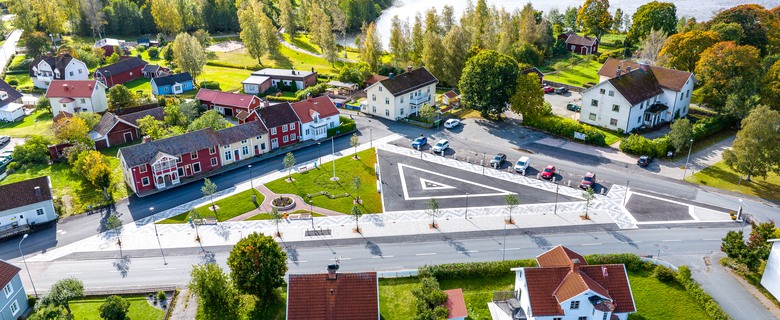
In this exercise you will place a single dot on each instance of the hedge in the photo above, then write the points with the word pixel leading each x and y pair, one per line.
pixel 347 125
pixel 209 85
pixel 217 63
pixel 641 146
pixel 281 98
pixel 709 126
pixel 313 90
pixel 490 269
pixel 566 127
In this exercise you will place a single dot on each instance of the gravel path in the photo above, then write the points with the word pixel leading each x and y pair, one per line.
pixel 186 306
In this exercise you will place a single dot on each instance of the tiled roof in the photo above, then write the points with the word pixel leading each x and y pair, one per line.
pixel 22 193
pixel 579 40
pixel 150 68
pixel 226 98
pixel 456 305
pixel 576 283
pixel 124 64
pixel 185 143
pixel 241 132
pixel 58 62
pixel 322 105
pixel 61 115
pixel 242 115
pixel 409 81
pixel 350 296
pixel 374 78
pixel 637 86
pixel 541 283
pixel 109 119
pixel 7 272
pixel 559 256
pixel 72 88
pixel 277 115
pixel 668 78
pixel 283 73
pixel 171 79
pixel 615 280
pixel 13 95
pixel 450 94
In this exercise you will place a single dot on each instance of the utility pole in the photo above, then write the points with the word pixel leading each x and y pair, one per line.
pixel 158 236
pixel 685 170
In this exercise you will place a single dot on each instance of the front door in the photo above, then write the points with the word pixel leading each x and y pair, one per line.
pixel 236 153
pixel 128 136
pixel 274 143
pixel 228 112
pixel 257 150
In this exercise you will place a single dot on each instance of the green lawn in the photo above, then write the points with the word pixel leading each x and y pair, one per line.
pixel 578 74
pixel 302 41
pixel 143 84
pixel 395 298
pixel 286 59
pixel 314 181
pixel 37 123
pixel 87 309
pixel 479 291
pixel 229 78
pixel 721 176
pixel 267 216
pixel 23 80
pixel 227 208
pixel 657 300
pixel 609 41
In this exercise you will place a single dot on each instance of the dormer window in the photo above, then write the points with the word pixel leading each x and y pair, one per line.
pixel 56 72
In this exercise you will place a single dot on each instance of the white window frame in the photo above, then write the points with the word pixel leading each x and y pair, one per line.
pixel 592 116
pixel 245 150
pixel 8 290
pixel 142 168
pixel 145 183
pixel 228 155
pixel 284 128
pixel 292 126
pixel 212 150
pixel 293 137
pixel 194 170
pixel 39 211
pixel 213 162
pixel 285 139
pixel 14 307
pixel 194 155
pixel 273 131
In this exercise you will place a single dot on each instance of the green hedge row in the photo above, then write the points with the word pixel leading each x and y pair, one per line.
pixel 566 127
pixel 641 146
pixel 347 125
pixel 217 63
pixel 702 297
pixel 280 98
pixel 709 126
pixel 315 90
pixel 491 269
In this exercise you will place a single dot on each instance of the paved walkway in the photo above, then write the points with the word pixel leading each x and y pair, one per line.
pixel 269 195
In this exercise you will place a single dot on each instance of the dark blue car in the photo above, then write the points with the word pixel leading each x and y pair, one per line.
pixel 419 142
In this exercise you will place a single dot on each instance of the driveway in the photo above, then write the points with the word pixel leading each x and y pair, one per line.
pixel 559 102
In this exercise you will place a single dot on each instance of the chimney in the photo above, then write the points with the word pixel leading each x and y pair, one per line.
pixel 265 104
pixel 332 268
pixel 604 271
pixel 644 66
pixel 408 68
pixel 38 192
pixel 147 139
pixel 619 72
pixel 390 76
pixel 65 86
pixel 575 264
pixel 628 69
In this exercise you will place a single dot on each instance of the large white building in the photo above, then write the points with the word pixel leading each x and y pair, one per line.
pixel 401 95
pixel 74 96
pixel 24 204
pixel 317 116
pixel 633 95
pixel 45 69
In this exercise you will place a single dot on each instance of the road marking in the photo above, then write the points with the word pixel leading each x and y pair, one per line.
pixel 163 269
pixel 339 259
pixel 676 240
pixel 592 244
pixel 74 273
pixel 299 261
pixel 425 254
pixel 381 257
pixel 711 239
pixel 510 249
pixel 634 241
pixel 470 251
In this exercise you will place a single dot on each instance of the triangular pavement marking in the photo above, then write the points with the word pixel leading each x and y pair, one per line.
pixel 401 166
pixel 430 185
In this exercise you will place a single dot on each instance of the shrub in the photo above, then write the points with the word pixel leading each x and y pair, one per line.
pixel 161 295
pixel 209 84
pixel 664 274
pixel 709 126
pixel 154 52
pixel 475 269
pixel 560 65
pixel 631 261
pixel 23 65
pixel 603 57
pixel 347 125
pixel 701 296
pixel 280 98
pixel 566 127
pixel 313 90
pixel 13 82
pixel 641 146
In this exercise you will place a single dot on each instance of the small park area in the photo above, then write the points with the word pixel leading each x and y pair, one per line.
pixel 227 208
pixel 140 308
pixel 577 74
pixel 720 176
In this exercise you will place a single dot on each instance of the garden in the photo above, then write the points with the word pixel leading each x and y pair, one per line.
pixel 141 307
pixel 227 208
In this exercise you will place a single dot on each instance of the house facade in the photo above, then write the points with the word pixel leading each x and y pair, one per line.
pixel 125 70
pixel 72 96
pixel 117 129
pixel 46 68
pixel 771 277
pixel 13 300
pixel 109 46
pixel 11 108
pixel 228 104
pixel 242 142
pixel 24 204
pixel 172 84
pixel 399 96
pixel 283 124
pixel 580 44
pixel 317 115
pixel 280 78
pixel 565 287
pixel 256 84
pixel 333 296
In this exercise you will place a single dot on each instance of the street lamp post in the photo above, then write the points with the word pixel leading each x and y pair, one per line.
pixel 555 211
pixel 467 206
pixel 371 134
pixel 165 262
pixel 311 212
pixel 333 160
pixel 252 184
pixel 319 154
pixel 739 214
pixel 25 264
pixel 690 146
pixel 625 197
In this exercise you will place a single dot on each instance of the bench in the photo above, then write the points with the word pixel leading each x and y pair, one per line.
pixel 300 216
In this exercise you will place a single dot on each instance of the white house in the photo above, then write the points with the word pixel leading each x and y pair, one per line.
pixel 631 95
pixel 399 96
pixel 73 96
pixel 565 287
pixel 242 142
pixel 45 68
pixel 317 116
pixel 25 203
pixel 13 300
pixel 10 108
pixel 257 82
pixel 771 278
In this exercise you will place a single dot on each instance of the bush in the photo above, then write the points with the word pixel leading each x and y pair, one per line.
pixel 560 65
pixel 664 274
pixel 641 146
pixel 210 85
pixel 13 82
pixel 566 127
pixel 347 125
pixel 280 98
pixel 313 90
pixel 154 52
pixel 161 295
pixel 23 65
pixel 631 261
pixel 603 58
pixel 475 269
pixel 709 126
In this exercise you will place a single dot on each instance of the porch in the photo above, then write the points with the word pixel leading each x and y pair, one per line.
pixel 655 115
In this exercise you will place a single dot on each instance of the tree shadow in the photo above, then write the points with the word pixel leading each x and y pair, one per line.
pixel 292 252
pixel 122 265
pixel 208 257
pixel 281 61
pixel 222 231
pixel 455 244
pixel 373 248
pixel 622 238
pixel 540 241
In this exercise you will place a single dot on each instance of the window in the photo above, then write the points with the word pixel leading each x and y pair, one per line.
pixel 142 169
pixel 688 94
pixel 387 112
pixel 194 155
pixel 273 130
pixel 83 100
pixel 196 167
pixel 71 73
pixel 258 137
pixel 228 155
pixel 638 119
pixel 592 117
pixel 212 150
pixel 402 99
pixel 284 139
pixel 292 136
pixel 582 318
pixel 402 111
pixel 243 141
pixel 244 150
pixel 373 97
pixel 80 71
pixel 380 88
pixel 284 128
pixel 602 91
pixel 613 122
pixel 145 181
pixel 374 109
pixel 682 96
pixel 604 317
pixel 641 106
pixel 178 160
pixel 39 211
pixel 575 305
pixel 213 162
pixel 387 100
pixel 307 131
pixel 292 126
pixel 594 103
pixel 615 108
pixel 226 147
pixel 14 307
pixel 558 318
pixel 611 93
pixel 262 146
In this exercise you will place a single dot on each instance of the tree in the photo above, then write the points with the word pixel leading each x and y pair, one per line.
pixel 456 52
pixel 528 98
pixel 681 134
pixel 488 81
pixel 270 35
pixel 94 167
pixel 92 11
pixel 480 25
pixel 756 149
pixel 217 295
pixel 209 119
pixel 113 58
pixel 208 189
pixel 770 87
pixel 168 54
pixel 258 264
pixel 63 291
pixel 511 202
pixel 120 97
pixel 37 43
pixel 733 245
pixel 25 16
pixel 257 31
pixel 51 16
pixel 32 151
pixel 447 18
pixel 570 19
pixel 289 163
pixel 181 114
pixel 731 31
pixel 151 127
pixel 112 222
pixel 355 73
pixel 356 213
pixel 115 308
pixel 276 216
pixel 594 17
pixel 589 194
pixel 617 20
pixel 651 45
pixel 354 142
pixel 427 112
pixel 166 16
pixel 287 17
pixel 728 69
pixel 400 46
pixel 49 312
pixel 43 105
pixel 433 211
pixel 756 22
pixel 430 300
pixel 72 130
pixel 417 39
pixel 356 184
pixel 154 53
pixel 654 15
pixel 327 40
pixel 189 54
pixel 371 50
pixel 681 51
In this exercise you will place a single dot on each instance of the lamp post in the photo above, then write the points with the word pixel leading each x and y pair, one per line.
pixel 625 197
pixel 311 212
pixel 739 214
pixel 158 236
pixel 467 206
pixel 371 134
pixel 319 156
pixel 690 146
pixel 25 264
pixel 555 211
pixel 333 160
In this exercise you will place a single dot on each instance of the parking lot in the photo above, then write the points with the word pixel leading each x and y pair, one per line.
pixel 559 102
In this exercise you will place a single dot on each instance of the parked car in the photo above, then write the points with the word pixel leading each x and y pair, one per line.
pixel 561 90
pixel 498 160
pixel 441 146
pixel 522 164
pixel 573 107
pixel 419 142
pixel 644 161
pixel 451 123
pixel 548 172
pixel 4 140
pixel 588 180
pixel 548 89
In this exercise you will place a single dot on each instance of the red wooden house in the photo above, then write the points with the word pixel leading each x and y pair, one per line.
pixel 229 104
pixel 125 70
pixel 579 44
pixel 115 129
pixel 284 126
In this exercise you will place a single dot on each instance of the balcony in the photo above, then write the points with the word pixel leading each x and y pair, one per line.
pixel 420 100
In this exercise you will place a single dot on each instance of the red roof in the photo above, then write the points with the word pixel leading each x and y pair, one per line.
pixel 322 105
pixel 226 98
pixel 559 256
pixel 71 88
pixel 456 305
pixel 668 78
pixel 61 115
pixel 450 94
pixel 7 272
pixel 374 78
pixel 350 296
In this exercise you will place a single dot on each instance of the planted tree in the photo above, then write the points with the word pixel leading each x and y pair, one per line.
pixel 356 213
pixel 594 17
pixel 357 183
pixel 209 119
pixel 354 142
pixel 588 194
pixel 681 134
pixel 277 217
pixel 258 264
pixel 115 308
pixel 217 295
pixel 512 201
pixel 94 167
pixel 289 163
pixel 528 98
pixel 73 130
pixel 756 149
pixel 120 97
pixel 113 222
pixel 487 83
pixel 188 54
pixel 433 211
pixel 208 189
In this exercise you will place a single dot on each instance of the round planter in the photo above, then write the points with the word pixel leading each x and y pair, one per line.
pixel 286 207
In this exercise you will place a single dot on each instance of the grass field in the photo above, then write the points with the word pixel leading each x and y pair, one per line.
pixel 37 123
pixel 578 74
pixel 229 78
pixel 721 176
pixel 314 181
pixel 286 59
pixel 657 300
pixel 142 84
pixel 227 208
pixel 23 80
pixel 395 298
pixel 267 216
pixel 87 309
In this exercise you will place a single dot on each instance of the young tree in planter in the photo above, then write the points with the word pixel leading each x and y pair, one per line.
pixel 115 308
pixel 433 211
pixel 357 183
pixel 511 202
pixel 354 142
pixel 277 217
pixel 289 163
pixel 258 264
pixel 112 222
pixel 208 189
pixel 589 194
pixel 356 213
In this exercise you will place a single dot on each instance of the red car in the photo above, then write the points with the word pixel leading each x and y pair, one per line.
pixel 548 89
pixel 588 180
pixel 548 172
